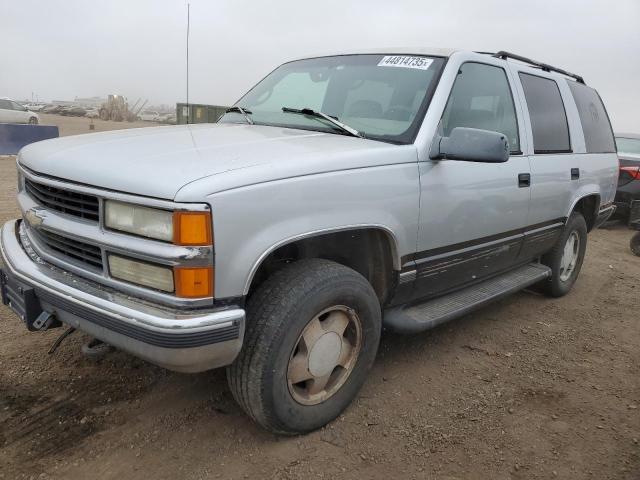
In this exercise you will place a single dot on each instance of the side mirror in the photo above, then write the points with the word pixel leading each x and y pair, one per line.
pixel 472 145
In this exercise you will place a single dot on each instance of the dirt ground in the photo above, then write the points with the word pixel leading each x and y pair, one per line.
pixel 528 388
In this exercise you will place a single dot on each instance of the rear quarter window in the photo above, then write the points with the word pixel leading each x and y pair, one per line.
pixel 548 117
pixel 598 135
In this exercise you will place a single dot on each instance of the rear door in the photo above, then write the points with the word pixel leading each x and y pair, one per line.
pixel 555 168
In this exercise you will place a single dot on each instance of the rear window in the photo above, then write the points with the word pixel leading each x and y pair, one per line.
pixel 598 135
pixel 548 117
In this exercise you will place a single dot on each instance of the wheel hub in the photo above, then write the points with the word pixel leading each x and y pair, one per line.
pixel 569 256
pixel 325 354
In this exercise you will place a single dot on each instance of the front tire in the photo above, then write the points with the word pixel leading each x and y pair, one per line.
pixel 566 257
pixel 33 121
pixel 312 335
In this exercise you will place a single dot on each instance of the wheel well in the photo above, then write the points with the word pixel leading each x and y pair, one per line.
pixel 588 207
pixel 367 251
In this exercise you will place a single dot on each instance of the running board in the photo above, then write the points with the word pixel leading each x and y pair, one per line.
pixel 423 316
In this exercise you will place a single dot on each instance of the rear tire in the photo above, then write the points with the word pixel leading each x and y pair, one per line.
pixel 33 121
pixel 566 257
pixel 291 311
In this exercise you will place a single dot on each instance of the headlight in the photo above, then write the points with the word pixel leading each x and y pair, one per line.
pixel 143 221
pixel 181 228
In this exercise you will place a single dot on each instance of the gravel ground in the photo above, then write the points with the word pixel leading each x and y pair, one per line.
pixel 528 388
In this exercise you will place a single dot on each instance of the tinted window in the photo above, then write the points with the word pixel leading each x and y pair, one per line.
pixel 5 104
pixel 546 110
pixel 598 135
pixel 481 98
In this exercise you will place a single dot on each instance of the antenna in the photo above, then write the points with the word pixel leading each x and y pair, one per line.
pixel 188 25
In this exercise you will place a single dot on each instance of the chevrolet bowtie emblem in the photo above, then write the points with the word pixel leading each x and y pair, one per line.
pixel 34 216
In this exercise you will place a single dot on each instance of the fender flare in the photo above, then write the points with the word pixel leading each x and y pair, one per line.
pixel 391 237
pixel 584 195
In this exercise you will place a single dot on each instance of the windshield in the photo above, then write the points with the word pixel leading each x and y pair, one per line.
pixel 628 145
pixel 382 97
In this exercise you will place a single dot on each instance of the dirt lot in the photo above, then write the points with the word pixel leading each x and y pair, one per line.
pixel 529 388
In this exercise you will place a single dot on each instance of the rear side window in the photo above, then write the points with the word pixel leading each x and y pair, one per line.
pixel 5 104
pixel 598 135
pixel 548 117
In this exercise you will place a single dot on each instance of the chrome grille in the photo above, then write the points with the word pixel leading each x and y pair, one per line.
pixel 71 248
pixel 65 201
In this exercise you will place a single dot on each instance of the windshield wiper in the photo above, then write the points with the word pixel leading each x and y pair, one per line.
pixel 313 113
pixel 245 113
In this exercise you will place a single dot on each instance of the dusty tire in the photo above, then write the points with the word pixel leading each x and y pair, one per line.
pixel 33 121
pixel 562 279
pixel 278 314
pixel 634 244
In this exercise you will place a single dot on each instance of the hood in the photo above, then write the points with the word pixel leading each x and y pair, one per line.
pixel 160 161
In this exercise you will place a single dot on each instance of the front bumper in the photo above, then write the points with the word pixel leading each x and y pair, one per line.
pixel 181 340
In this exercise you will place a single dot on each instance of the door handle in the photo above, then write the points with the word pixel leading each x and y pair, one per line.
pixel 575 173
pixel 524 180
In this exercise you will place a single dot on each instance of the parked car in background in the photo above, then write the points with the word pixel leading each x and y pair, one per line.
pixel 149 116
pixel 169 118
pixel 54 109
pixel 628 145
pixel 341 194
pixel 34 107
pixel 13 112
pixel 92 113
pixel 73 111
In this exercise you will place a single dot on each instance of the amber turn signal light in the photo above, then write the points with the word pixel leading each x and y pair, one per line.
pixel 193 282
pixel 192 228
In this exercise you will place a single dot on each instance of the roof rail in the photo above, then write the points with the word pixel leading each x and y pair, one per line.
pixel 547 68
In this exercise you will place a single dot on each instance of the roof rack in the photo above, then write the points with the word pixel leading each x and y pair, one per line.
pixel 547 68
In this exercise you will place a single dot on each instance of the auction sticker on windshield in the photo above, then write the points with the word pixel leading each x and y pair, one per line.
pixel 421 63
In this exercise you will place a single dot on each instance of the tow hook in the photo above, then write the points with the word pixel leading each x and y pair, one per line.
pixel 44 321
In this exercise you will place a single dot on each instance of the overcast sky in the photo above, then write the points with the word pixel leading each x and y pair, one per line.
pixel 60 49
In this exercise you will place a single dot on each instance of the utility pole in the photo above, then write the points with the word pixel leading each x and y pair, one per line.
pixel 188 25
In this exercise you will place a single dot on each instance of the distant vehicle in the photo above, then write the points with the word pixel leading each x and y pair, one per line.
pixel 13 112
pixel 629 179
pixel 150 116
pixel 73 111
pixel 167 118
pixel 92 113
pixel 52 109
pixel 116 109
pixel 34 107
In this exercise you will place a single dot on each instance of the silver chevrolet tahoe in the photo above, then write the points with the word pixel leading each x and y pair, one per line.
pixel 341 195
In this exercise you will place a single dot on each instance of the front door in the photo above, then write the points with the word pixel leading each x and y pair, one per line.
pixel 472 214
